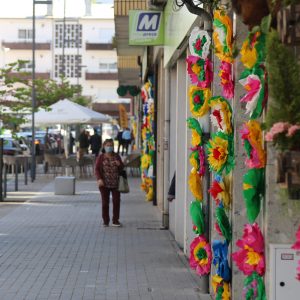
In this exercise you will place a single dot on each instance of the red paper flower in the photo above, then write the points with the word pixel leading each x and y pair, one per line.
pixel 250 257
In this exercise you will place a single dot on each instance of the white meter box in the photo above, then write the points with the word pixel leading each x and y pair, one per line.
pixel 283 268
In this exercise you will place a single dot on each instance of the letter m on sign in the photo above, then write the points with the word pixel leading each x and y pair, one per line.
pixel 148 22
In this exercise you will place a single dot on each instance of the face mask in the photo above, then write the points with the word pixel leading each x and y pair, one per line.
pixel 108 149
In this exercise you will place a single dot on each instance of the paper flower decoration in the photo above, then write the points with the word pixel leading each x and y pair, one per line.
pixel 220 261
pixel 221 190
pixel 200 255
pixel 200 71
pixel 254 288
pixel 223 223
pixel 145 161
pixel 197 159
pixel 253 50
pixel 296 246
pixel 253 192
pixel 252 136
pixel 220 153
pixel 221 114
pixel 197 216
pixel 222 36
pixel 255 83
pixel 199 43
pixel 221 288
pixel 226 80
pixel 197 132
pixel 195 184
pixel 199 100
pixel 251 256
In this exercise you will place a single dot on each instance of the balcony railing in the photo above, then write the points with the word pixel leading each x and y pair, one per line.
pixel 98 46
pixel 27 75
pixel 26 45
pixel 101 76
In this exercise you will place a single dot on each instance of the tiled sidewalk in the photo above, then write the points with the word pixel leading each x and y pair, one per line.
pixel 54 247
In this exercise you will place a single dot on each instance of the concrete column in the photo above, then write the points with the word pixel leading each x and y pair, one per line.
pixel 172 141
pixel 181 153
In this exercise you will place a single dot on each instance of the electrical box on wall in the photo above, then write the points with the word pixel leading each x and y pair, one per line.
pixel 283 270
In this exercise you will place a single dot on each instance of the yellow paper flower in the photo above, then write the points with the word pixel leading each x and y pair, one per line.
pixel 145 161
pixel 194 163
pixel 222 36
pixel 218 156
pixel 221 114
pixel 195 184
pixel 196 138
pixel 199 100
pixel 217 281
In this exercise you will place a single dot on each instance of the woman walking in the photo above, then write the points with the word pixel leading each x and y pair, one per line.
pixel 107 170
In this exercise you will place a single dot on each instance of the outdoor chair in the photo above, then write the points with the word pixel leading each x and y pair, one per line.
pixel 70 162
pixel 86 164
pixel 133 163
pixel 53 163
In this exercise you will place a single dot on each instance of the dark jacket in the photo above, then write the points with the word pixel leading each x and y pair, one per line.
pixel 83 140
pixel 99 165
pixel 96 142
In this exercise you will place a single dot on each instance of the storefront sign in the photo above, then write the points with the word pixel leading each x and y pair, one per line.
pixel 146 28
pixel 123 116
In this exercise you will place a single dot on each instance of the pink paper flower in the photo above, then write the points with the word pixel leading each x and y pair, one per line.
pixel 200 71
pixel 200 255
pixel 226 80
pixel 250 257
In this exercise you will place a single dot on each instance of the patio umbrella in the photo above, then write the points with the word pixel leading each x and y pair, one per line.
pixel 66 112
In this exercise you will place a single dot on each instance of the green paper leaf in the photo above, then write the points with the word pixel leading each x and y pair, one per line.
pixel 253 196
pixel 266 24
pixel 223 223
pixel 197 216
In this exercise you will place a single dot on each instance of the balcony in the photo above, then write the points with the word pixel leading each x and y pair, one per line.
pixel 26 45
pixel 101 76
pixel 28 76
pixel 98 46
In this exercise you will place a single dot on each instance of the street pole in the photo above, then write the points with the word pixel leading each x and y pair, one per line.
pixel 33 102
pixel 63 42
pixel 33 94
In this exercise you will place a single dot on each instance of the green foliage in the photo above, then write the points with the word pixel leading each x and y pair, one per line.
pixel 16 93
pixel 284 80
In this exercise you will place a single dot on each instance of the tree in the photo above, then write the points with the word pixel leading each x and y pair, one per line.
pixel 16 93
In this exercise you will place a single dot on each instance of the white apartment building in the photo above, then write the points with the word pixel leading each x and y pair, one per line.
pixel 76 32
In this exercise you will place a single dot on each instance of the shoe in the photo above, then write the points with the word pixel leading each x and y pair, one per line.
pixel 116 224
pixel 105 225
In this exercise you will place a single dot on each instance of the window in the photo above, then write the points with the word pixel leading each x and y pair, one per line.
pixel 73 35
pixel 25 34
pixel 108 67
pixel 26 66
pixel 106 35
pixel 71 68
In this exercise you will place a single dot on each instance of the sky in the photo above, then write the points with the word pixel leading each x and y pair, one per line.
pixel 74 8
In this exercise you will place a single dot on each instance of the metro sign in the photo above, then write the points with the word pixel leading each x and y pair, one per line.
pixel 146 28
pixel 148 22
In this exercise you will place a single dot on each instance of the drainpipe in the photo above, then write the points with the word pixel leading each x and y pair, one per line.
pixel 166 148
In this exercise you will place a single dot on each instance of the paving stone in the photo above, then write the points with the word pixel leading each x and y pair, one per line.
pixel 54 247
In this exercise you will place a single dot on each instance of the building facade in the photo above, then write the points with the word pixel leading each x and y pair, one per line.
pixel 278 217
pixel 77 45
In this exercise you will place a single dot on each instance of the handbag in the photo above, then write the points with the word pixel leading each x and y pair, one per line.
pixel 123 186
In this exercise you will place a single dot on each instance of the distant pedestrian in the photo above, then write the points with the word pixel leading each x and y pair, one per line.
pixel 71 143
pixel 126 136
pixel 96 143
pixel 107 170
pixel 120 140
pixel 83 143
